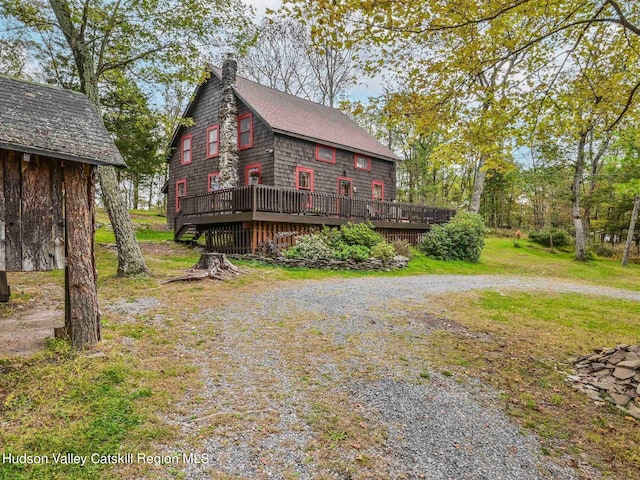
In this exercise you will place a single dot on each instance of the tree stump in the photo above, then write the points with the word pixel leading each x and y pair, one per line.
pixel 211 265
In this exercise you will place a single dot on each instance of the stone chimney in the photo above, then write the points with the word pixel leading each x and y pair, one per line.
pixel 228 163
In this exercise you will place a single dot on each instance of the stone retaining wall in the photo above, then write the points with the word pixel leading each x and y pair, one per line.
pixel 375 264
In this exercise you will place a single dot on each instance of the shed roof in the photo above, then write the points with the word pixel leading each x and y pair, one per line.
pixel 51 121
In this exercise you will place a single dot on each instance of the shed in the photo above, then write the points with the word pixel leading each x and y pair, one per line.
pixel 51 141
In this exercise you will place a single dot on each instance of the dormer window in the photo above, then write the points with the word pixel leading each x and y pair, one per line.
pixel 185 155
pixel 325 154
pixel 362 162
pixel 245 131
pixel 213 141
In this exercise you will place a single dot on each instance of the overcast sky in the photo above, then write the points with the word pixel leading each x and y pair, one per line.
pixel 261 5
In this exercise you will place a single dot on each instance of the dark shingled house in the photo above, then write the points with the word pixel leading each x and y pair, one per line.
pixel 51 141
pixel 300 164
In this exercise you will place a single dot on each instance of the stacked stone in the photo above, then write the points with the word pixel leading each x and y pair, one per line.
pixel 395 263
pixel 611 374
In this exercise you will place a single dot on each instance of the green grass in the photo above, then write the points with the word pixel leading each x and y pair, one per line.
pixel 499 257
pixel 523 351
pixel 90 409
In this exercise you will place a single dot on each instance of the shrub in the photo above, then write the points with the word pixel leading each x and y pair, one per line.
pixel 403 248
pixel 358 253
pixel 545 236
pixel 604 250
pixel 332 237
pixel 360 234
pixel 310 246
pixel 384 251
pixel 460 239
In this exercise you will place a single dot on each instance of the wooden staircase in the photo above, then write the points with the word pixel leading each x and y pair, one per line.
pixel 187 233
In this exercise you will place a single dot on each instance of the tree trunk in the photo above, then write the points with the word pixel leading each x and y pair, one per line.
pixel 130 260
pixel 478 186
pixel 580 236
pixel 632 227
pixel 83 318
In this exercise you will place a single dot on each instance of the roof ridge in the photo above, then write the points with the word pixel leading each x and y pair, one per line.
pixel 35 83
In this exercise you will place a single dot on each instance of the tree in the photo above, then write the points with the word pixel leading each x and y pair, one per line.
pixel 287 58
pixel 103 36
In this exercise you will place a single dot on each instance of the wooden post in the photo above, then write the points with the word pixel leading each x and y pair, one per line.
pixel 5 290
pixel 81 290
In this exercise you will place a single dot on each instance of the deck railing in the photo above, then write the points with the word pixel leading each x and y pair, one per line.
pixel 264 198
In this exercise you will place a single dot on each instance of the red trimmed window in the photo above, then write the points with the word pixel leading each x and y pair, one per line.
pixel 181 192
pixel 377 190
pixel 345 186
pixel 213 141
pixel 304 179
pixel 325 154
pixel 213 182
pixel 253 174
pixel 245 131
pixel 185 150
pixel 362 162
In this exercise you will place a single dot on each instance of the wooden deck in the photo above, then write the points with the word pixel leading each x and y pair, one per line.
pixel 272 204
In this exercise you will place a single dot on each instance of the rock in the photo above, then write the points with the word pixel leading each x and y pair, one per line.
pixel 574 378
pixel 631 394
pixel 610 385
pixel 623 373
pixel 633 410
pixel 609 351
pixel 595 357
pixel 617 357
pixel 638 390
pixel 634 348
pixel 634 364
pixel 596 367
pixel 602 373
pixel 593 395
pixel 622 346
pixel 619 399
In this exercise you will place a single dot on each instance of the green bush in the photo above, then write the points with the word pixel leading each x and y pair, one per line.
pixel 604 250
pixel 543 237
pixel 310 246
pixel 360 234
pixel 403 248
pixel 384 251
pixel 359 253
pixel 460 239
pixel 332 237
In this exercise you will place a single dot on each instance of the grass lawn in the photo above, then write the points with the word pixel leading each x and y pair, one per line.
pixel 116 398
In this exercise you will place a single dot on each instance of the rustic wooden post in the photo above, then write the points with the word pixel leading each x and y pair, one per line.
pixel 254 199
pixel 81 288
pixel 5 290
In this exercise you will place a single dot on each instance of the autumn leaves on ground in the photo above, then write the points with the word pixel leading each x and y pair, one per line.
pixel 142 388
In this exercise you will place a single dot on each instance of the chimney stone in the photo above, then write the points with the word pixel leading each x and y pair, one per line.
pixel 228 163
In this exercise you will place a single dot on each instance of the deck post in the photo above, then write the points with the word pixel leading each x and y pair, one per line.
pixel 254 199
pixel 5 290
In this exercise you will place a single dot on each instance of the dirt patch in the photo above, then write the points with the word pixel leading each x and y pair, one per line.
pixel 25 332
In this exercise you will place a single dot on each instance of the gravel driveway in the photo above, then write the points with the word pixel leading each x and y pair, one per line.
pixel 286 367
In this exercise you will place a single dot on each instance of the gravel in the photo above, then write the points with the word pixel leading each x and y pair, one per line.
pixel 436 430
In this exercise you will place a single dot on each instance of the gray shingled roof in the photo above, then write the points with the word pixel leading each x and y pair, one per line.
pixel 295 116
pixel 51 121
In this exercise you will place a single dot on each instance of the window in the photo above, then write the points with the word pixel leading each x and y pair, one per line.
pixel 181 192
pixel 362 162
pixel 344 186
pixel 245 131
pixel 325 154
pixel 253 174
pixel 304 179
pixel 185 156
pixel 214 182
pixel 377 190
pixel 213 141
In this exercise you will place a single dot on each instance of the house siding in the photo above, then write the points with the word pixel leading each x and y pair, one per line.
pixel 292 152
pixel 205 111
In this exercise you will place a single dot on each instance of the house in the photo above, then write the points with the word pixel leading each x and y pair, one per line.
pixel 51 142
pixel 295 164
